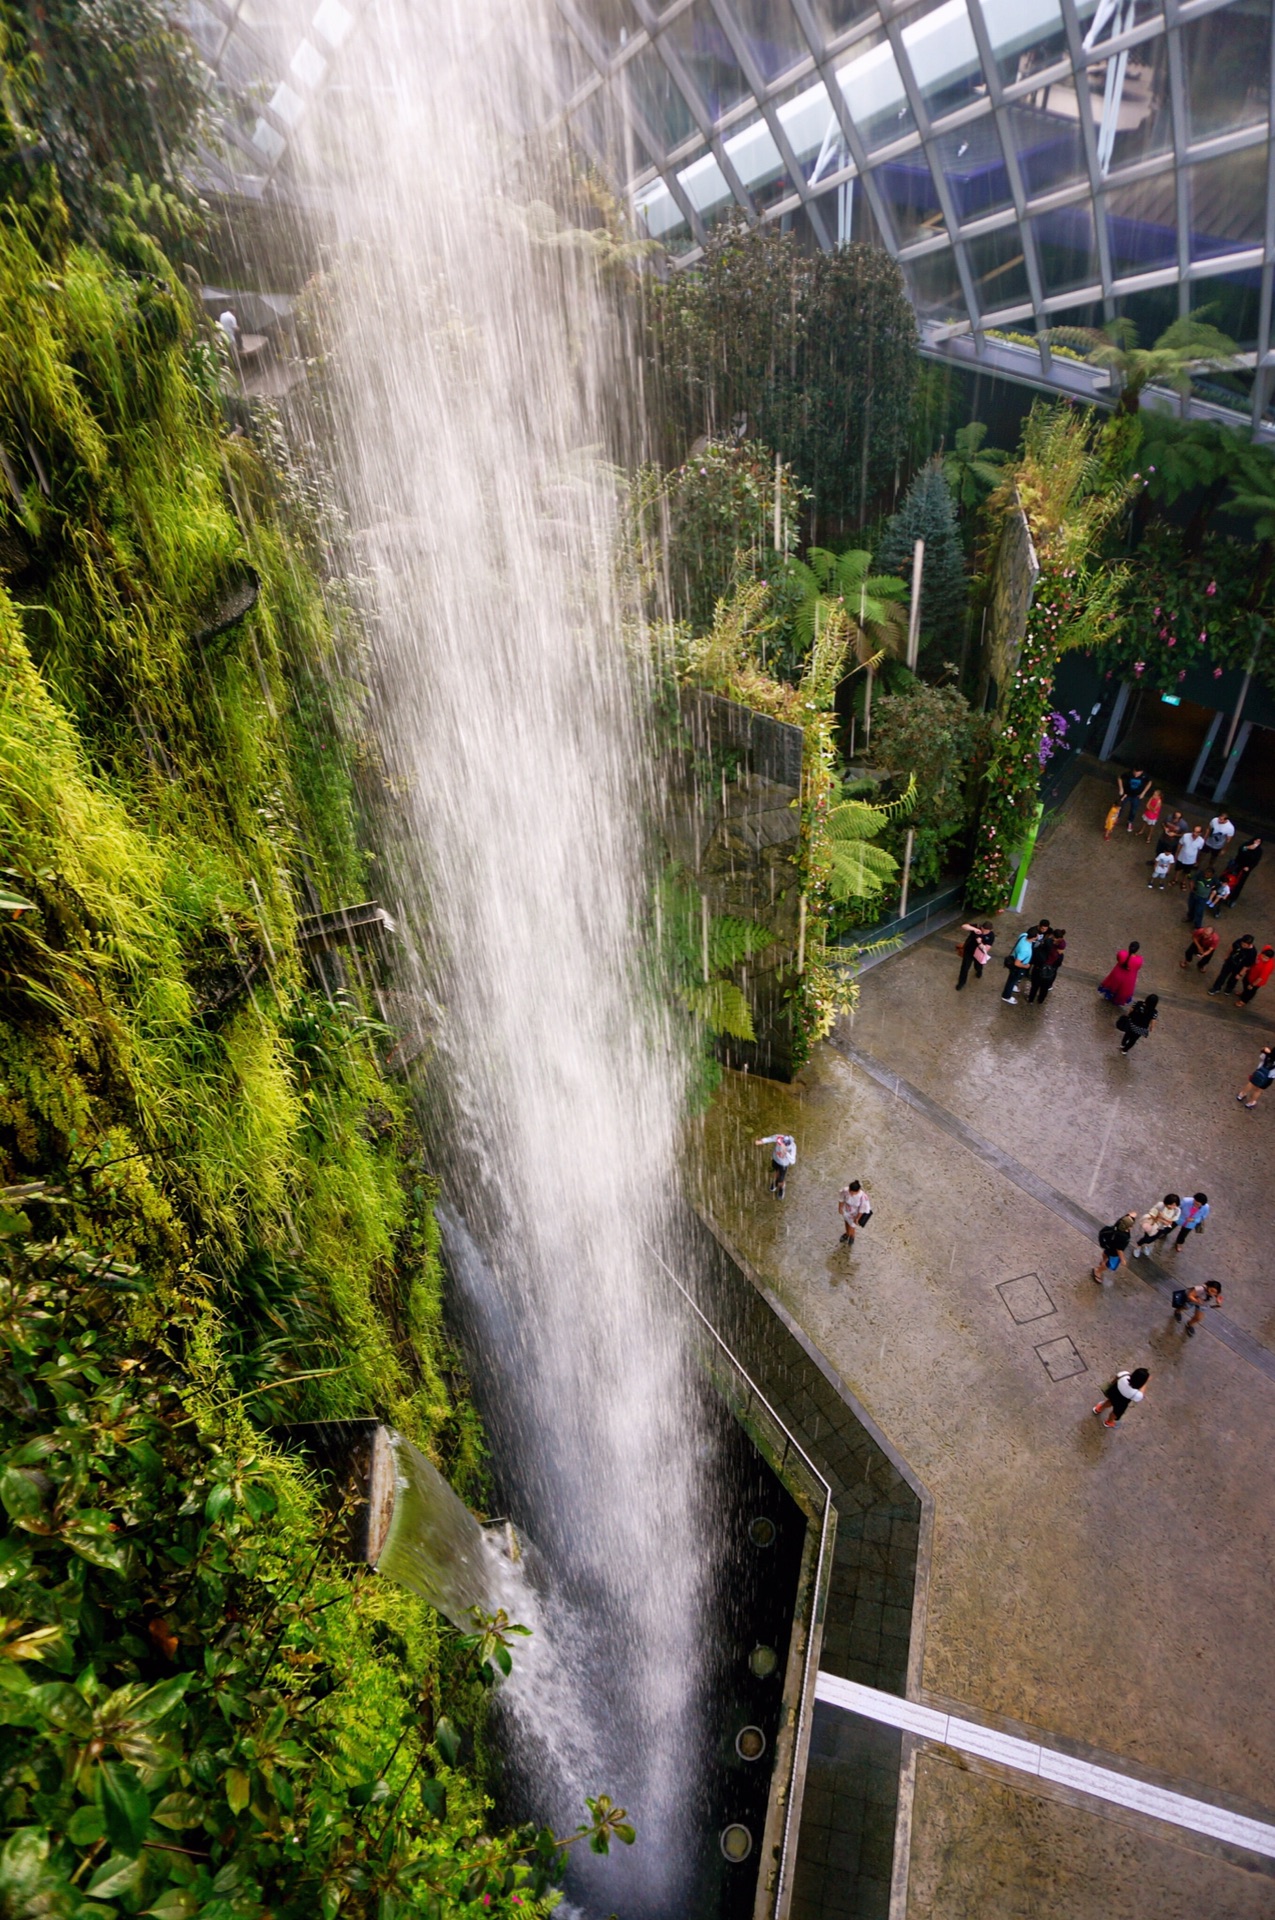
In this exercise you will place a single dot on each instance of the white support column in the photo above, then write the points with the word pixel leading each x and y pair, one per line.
pixel 1112 735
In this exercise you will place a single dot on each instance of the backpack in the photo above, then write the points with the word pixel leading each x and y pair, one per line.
pixel 1179 1299
pixel 1107 1237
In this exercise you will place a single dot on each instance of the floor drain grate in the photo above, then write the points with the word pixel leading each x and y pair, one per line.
pixel 1026 1299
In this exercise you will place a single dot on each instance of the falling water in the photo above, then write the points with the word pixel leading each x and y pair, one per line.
pixel 476 374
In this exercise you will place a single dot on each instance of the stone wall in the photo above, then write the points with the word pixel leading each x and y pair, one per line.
pixel 1014 574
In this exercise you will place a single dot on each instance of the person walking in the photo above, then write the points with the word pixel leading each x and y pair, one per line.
pixel 1138 1022
pixel 1046 961
pixel 1256 974
pixel 783 1157
pixel 1121 983
pixel 1124 1392
pixel 1202 948
pixel 1190 847
pixel 1113 1243
pixel 1194 1213
pixel 1194 1300
pixel 1245 861
pixel 1197 898
pixel 1220 834
pixel 1017 965
pixel 1159 1223
pixel 854 1209
pixel 976 951
pixel 1260 1078
pixel 1151 814
pixel 1132 789
pixel 1242 951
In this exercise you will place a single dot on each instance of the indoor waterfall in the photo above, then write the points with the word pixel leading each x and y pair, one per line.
pixel 475 378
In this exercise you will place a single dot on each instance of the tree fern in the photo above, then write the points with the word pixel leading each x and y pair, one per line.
pixel 721 1006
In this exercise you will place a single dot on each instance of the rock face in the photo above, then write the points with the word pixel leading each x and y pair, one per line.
pixel 733 823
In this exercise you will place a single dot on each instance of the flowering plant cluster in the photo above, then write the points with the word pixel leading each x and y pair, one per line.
pixel 1180 609
pixel 1055 734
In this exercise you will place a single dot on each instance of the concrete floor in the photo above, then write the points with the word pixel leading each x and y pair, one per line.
pixel 1109 1590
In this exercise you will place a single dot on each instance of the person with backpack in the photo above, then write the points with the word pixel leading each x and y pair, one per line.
pixel 976 951
pixel 1124 1392
pixel 1138 1022
pixel 1195 1298
pixel 1114 1241
pixel 854 1209
pixel 1195 1212
pixel 1242 951
pixel 784 1156
pixel 1159 1223
pixel 1260 1078
pixel 1256 974
pixel 1046 960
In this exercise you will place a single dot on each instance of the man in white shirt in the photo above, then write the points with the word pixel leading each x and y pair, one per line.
pixel 784 1156
pixel 1218 838
pixel 1189 847
pixel 855 1210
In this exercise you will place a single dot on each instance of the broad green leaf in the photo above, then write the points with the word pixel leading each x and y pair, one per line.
pixel 175 1903
pixel 447 1740
pixel 21 1494
pixel 238 1789
pixel 22 1864
pixel 157 1701
pixel 86 1827
pixel 125 1805
pixel 115 1876
pixel 65 1707
pixel 178 1811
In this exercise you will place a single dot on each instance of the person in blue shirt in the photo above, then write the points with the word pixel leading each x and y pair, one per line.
pixel 1019 962
pixel 1195 1212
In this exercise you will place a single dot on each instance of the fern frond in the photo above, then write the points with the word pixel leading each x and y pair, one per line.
pixel 732 941
pixel 859 869
pixel 722 1008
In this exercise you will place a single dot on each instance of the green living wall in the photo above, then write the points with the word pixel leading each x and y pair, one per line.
pixel 214 1214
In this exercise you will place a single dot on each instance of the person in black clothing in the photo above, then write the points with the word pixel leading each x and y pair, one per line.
pixel 976 951
pixel 1046 960
pixel 1138 1022
pixel 1243 863
pixel 1236 962
pixel 1132 789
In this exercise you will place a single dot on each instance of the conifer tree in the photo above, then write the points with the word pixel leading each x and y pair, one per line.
pixel 928 513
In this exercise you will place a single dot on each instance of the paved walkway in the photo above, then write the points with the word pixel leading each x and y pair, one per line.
pixel 1106 1590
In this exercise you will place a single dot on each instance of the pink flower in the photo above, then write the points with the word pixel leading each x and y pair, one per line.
pixel 1173 642
pixel 1182 675
pixel 1138 665
pixel 1204 636
pixel 1217 673
pixel 1156 614
pixel 1212 587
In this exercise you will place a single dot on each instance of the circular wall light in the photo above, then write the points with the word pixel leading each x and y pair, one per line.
pixel 761 1531
pixel 736 1843
pixel 763 1661
pixel 750 1743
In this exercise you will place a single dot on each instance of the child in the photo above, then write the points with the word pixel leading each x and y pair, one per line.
pixel 1161 870
pixel 1109 824
pixel 1151 813
pixel 1219 894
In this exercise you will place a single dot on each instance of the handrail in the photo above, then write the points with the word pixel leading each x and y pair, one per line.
pixel 807 1677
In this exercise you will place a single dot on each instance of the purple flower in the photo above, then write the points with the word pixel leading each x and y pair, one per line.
pixel 1182 675
pixel 1138 665
pixel 1204 636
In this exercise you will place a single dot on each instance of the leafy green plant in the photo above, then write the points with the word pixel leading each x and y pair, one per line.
pixel 932 735
pixel 1191 345
pixel 874 605
pixel 927 513
pixel 702 953
pixel 971 469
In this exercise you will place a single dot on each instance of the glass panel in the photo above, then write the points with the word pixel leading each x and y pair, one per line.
pixel 1067 249
pixel 571 64
pixel 774 39
pixel 943 56
pixel 658 212
pixel 658 98
pixel 604 129
pixel 835 17
pixel 206 30
pixel 1231 301
pixel 752 152
pixel 1026 35
pixel 1228 202
pixel 704 185
pixel 974 167
pixel 1047 141
pixel 706 51
pixel 613 21
pixel 1142 226
pixel 1130 99
pixel 907 186
pixel 811 129
pixel 936 288
pixel 999 269
pixel 1227 58
pixel 874 93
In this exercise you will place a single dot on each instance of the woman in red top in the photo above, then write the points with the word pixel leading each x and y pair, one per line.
pixel 1121 983
pixel 1259 972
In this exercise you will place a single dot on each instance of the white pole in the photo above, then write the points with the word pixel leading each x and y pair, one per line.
pixel 914 612
pixel 779 515
pixel 703 932
pixel 801 935
pixel 867 712
pixel 907 871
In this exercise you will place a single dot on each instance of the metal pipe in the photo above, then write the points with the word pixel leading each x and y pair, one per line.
pixel 914 611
